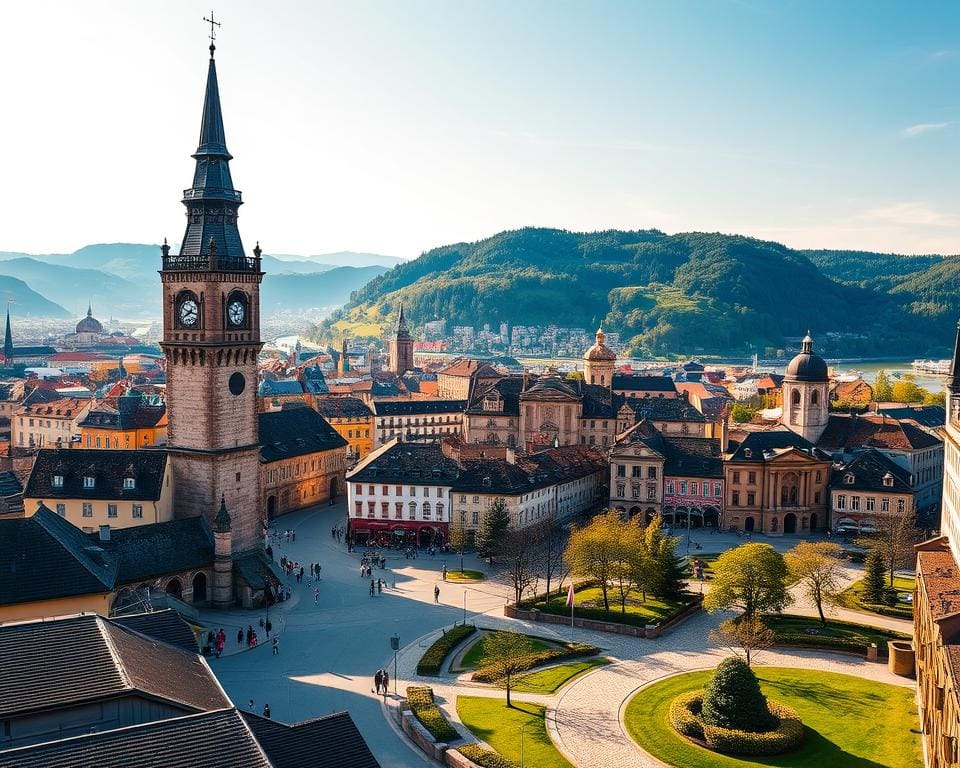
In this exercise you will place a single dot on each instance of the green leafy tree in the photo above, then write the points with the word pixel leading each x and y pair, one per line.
pixel 893 538
pixel 874 578
pixel 733 699
pixel 934 398
pixel 743 635
pixel 818 569
pixel 506 654
pixel 882 388
pixel 595 551
pixel 665 567
pixel 751 577
pixel 742 413
pixel 907 392
pixel 493 525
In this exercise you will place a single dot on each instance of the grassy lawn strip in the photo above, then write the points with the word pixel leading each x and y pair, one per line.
pixel 476 655
pixel 874 729
pixel 431 661
pixel 490 720
pixel 466 575
pixel 851 598
pixel 550 680
pixel 543 653
pixel 842 635
pixel 588 604
pixel 421 703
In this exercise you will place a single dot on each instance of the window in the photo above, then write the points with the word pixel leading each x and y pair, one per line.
pixel 884 504
pixel 635 471
pixel 371 508
pixel 670 487
pixel 621 470
pixel 385 509
pixel 57 481
pixel 359 488
pixel 111 510
pixel 651 492
pixel 752 478
pixel 735 499
pixel 440 512
pixel 855 503
pixel 89 482
pixel 129 483
pixel 871 504
pixel 413 491
pixel 694 489
pixel 358 511
pixel 62 510
pixel 426 510
pixel 841 501
pixel 621 489
pixel 816 497
pixel 819 476
pixel 717 490
pixel 398 510
pixel 635 491
pixel 888 479
pixel 751 499
pixel 476 517
pixel 683 487
pixel 87 510
pixel 370 489
pixel 426 493
pixel 736 477
pixel 137 511
pixel 463 498
pixel 476 499
pixel 413 511
pixel 901 506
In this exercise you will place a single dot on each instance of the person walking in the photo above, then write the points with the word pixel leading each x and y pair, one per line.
pixel 436 594
pixel 385 682
pixel 266 711
pixel 444 571
pixel 373 588
pixel 378 680
pixel 252 705
pixel 316 595
pixel 240 636
pixel 379 586
pixel 276 645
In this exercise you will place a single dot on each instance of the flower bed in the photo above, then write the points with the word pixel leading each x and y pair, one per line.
pixel 567 651
pixel 788 735
pixel 420 699
pixel 432 661
pixel 485 758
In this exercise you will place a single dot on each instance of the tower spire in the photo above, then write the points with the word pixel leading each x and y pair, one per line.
pixel 953 380
pixel 8 338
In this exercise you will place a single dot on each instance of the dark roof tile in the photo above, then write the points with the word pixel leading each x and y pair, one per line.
pixel 325 742
pixel 296 432
pixel 108 468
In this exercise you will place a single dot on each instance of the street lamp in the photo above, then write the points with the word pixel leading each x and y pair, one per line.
pixel 395 645
pixel 464 607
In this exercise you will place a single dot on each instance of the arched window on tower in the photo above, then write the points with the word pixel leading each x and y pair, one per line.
pixel 815 397
pixel 795 397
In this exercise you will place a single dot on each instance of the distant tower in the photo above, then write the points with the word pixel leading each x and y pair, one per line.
pixel 222 558
pixel 401 347
pixel 8 340
pixel 344 365
pixel 806 393
pixel 599 362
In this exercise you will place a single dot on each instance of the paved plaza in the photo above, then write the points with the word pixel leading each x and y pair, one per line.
pixel 330 647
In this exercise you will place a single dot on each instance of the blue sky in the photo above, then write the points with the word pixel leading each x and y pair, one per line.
pixel 395 126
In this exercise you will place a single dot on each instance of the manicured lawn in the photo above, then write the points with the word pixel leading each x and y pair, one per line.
pixel 810 626
pixel 476 656
pixel 588 604
pixel 549 680
pixel 493 722
pixel 851 722
pixel 465 575
pixel 851 598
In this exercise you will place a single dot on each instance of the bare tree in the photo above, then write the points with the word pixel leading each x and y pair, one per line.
pixel 549 541
pixel 894 540
pixel 743 636
pixel 516 548
pixel 818 569
pixel 506 653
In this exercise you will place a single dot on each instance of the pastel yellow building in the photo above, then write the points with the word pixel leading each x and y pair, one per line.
pixel 133 420
pixel 352 420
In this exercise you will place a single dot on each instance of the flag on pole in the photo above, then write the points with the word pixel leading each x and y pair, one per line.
pixel 570 596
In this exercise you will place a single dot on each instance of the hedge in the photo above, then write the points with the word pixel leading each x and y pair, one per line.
pixel 898 611
pixel 420 699
pixel 567 651
pixel 684 717
pixel 485 758
pixel 432 661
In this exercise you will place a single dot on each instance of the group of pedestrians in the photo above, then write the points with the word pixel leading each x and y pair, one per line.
pixel 337 533
pixel 381 682
pixel 217 640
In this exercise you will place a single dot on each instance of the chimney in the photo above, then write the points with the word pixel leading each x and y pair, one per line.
pixel 724 436
pixel 104 533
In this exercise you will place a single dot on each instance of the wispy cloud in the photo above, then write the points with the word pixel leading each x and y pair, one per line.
pixel 921 128
pixel 946 54
pixel 911 214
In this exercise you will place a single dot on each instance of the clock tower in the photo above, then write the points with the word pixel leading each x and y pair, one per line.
pixel 211 338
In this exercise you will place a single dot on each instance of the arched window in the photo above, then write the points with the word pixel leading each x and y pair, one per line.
pixel 815 397
pixel 426 510
pixel 795 397
pixel 413 510
pixel 439 511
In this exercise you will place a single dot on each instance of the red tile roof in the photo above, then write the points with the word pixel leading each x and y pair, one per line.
pixel 854 431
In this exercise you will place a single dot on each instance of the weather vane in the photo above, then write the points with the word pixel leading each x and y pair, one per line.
pixel 213 31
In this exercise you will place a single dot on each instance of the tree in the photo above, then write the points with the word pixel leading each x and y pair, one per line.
pixel 874 577
pixel 663 572
pixel 629 557
pixel 934 398
pixel 882 389
pixel 457 536
pixel 492 527
pixel 751 577
pixel 506 654
pixel 550 551
pixel 733 699
pixel 742 413
pixel 594 550
pixel 517 548
pixel 746 635
pixel 894 539
pixel 907 392
pixel 818 569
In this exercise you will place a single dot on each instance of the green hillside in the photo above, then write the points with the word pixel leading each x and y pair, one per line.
pixel 674 294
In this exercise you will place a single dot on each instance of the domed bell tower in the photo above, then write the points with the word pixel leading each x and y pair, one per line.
pixel 211 339
pixel 806 393
pixel 599 362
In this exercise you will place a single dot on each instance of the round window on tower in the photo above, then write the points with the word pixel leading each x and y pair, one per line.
pixel 237 384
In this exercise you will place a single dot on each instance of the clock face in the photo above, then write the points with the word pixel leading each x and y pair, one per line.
pixel 189 313
pixel 236 312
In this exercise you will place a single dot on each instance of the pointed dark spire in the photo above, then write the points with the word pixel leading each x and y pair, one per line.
pixel 222 520
pixel 403 332
pixel 953 380
pixel 213 140
pixel 8 339
pixel 89 309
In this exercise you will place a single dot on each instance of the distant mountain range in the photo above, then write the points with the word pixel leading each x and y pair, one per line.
pixel 684 294
pixel 120 279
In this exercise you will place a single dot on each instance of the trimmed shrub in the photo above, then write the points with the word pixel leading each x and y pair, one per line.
pixel 786 736
pixel 432 661
pixel 732 699
pixel 420 699
pixel 568 651
pixel 485 758
pixel 685 715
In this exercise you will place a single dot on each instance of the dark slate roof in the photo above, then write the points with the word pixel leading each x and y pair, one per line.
pixel 325 742
pixel 34 351
pixel 166 626
pixel 127 412
pixel 599 402
pixel 218 739
pixel 418 407
pixel 551 384
pixel 342 408
pixel 664 409
pixel 867 471
pixel 508 389
pixel 257 569
pixel 53 664
pixel 638 383
pixel 145 551
pixel 692 457
pixel 849 432
pixel 642 432
pixel 413 463
pixel 494 476
pixel 43 557
pixel 107 467
pixel 9 485
pixel 314 381
pixel 296 432
pixel 929 416
pixel 282 387
pixel 772 441
pixel 380 388
pixel 41 395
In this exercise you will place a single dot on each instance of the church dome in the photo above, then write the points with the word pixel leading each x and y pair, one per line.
pixel 806 366
pixel 600 351
pixel 89 324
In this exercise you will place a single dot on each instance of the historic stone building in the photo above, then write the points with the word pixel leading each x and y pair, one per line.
pixel 211 338
pixel 599 362
pixel 806 393
pixel 401 347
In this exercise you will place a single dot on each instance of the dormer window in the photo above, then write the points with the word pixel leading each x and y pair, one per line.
pixel 89 482
pixel 888 480
pixel 747 453
pixel 57 481
pixel 848 478
pixel 129 483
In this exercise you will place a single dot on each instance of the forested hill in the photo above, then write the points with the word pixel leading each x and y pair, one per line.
pixel 674 294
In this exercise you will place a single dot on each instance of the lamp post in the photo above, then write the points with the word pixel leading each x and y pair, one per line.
pixel 464 607
pixel 395 645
